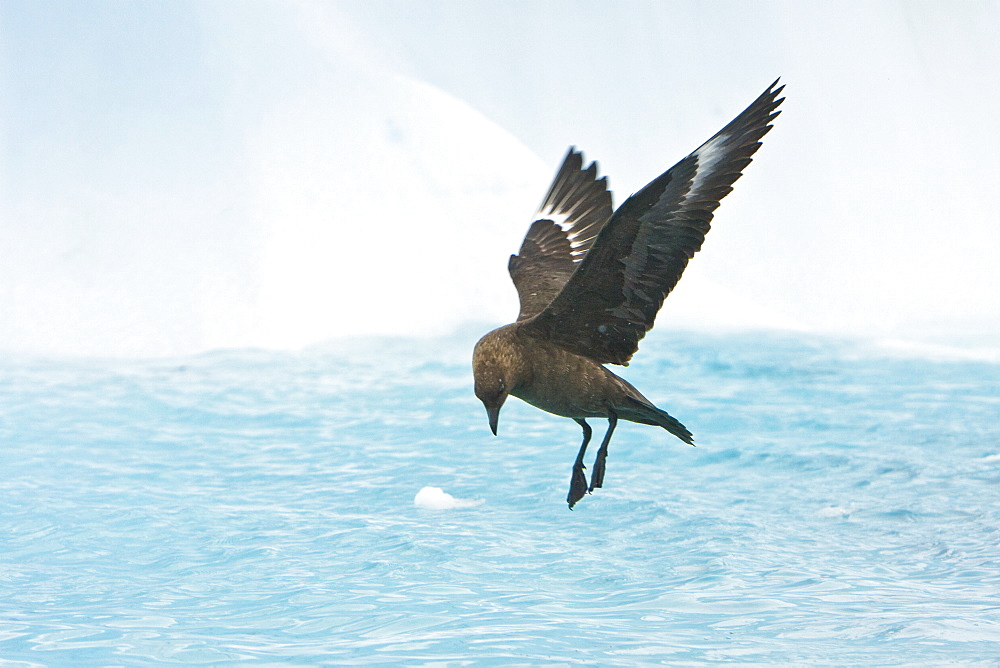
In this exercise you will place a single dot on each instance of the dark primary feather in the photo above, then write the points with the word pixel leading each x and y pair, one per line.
pixel 577 205
pixel 609 303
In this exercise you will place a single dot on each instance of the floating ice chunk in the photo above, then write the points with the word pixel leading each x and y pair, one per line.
pixel 992 458
pixel 436 498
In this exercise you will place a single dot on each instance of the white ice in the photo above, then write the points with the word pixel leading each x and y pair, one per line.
pixel 435 498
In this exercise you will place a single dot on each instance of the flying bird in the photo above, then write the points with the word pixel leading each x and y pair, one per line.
pixel 591 280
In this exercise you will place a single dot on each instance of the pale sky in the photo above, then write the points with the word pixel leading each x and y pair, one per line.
pixel 183 176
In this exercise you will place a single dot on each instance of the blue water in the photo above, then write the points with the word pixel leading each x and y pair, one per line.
pixel 842 507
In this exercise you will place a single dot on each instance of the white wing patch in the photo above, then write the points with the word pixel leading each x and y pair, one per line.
pixel 562 220
pixel 559 218
pixel 708 155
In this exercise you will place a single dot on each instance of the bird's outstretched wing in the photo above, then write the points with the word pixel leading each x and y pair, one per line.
pixel 577 205
pixel 611 300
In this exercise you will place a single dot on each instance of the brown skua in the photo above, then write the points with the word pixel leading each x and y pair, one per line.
pixel 591 280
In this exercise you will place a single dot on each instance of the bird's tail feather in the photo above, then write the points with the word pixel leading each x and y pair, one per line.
pixel 646 413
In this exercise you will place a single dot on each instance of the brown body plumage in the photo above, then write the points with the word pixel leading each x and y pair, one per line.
pixel 590 282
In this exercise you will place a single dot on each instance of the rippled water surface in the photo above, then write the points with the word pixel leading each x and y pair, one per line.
pixel 842 507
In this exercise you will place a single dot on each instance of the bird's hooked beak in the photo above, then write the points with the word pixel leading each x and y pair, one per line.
pixel 494 414
pixel 493 411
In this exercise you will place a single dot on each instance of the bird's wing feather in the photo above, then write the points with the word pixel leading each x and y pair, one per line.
pixel 568 220
pixel 611 300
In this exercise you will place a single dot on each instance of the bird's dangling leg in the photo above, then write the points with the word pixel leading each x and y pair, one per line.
pixel 597 477
pixel 578 482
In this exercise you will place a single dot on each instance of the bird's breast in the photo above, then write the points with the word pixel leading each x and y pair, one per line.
pixel 566 384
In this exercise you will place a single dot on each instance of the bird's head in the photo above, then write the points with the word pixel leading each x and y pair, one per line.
pixel 492 391
pixel 495 376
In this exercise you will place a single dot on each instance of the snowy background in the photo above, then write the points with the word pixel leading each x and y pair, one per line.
pixel 184 176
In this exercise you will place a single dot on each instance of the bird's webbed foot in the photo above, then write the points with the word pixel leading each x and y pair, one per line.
pixel 578 481
pixel 597 477
pixel 577 486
